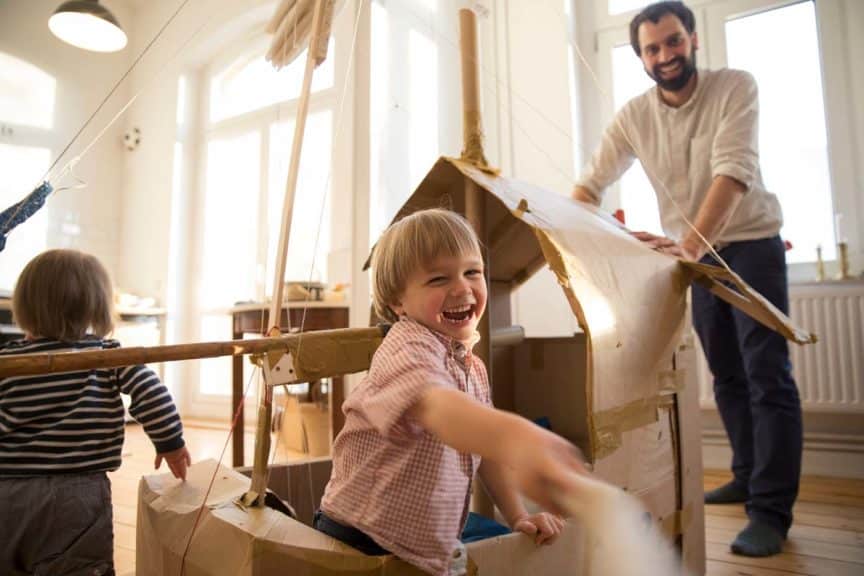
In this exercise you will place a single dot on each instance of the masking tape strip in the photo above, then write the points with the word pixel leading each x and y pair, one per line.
pixel 472 135
pixel 521 209
pixel 610 425
pixel 671 381
pixel 676 524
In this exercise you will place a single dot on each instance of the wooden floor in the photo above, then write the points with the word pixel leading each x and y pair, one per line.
pixel 827 538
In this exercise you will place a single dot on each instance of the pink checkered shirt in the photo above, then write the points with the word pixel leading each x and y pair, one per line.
pixel 391 479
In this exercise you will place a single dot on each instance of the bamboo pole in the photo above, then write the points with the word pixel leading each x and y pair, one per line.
pixel 265 397
pixel 52 363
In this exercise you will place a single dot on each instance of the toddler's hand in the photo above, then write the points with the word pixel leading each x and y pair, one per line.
pixel 544 527
pixel 177 461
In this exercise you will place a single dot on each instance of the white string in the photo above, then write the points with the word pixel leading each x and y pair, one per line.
pixel 647 169
pixel 69 166
pixel 506 86
pixel 336 139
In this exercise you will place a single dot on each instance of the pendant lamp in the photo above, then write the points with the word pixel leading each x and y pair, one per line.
pixel 88 25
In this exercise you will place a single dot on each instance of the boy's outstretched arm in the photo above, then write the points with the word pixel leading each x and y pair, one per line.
pixel 541 463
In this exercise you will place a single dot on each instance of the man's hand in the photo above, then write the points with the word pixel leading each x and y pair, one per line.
pixel 544 527
pixel 683 250
pixel 583 194
pixel 177 461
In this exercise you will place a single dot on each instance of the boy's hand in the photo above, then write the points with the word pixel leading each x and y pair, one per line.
pixel 544 526
pixel 177 461
pixel 548 468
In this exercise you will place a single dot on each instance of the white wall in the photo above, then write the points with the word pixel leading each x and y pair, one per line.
pixel 83 80
pixel 528 106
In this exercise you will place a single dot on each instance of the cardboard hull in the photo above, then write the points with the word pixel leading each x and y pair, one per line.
pixel 230 540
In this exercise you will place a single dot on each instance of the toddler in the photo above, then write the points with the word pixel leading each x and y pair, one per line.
pixel 61 433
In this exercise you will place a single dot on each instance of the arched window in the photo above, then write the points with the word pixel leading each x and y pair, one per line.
pixel 27 99
pixel 246 138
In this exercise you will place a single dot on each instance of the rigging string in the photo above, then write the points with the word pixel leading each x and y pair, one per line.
pixel 272 456
pixel 326 190
pixel 231 430
pixel 50 174
pixel 70 165
pixel 610 103
pixel 506 86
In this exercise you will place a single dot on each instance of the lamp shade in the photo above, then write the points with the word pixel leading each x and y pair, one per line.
pixel 88 25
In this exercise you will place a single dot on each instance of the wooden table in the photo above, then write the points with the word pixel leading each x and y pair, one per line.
pixel 249 319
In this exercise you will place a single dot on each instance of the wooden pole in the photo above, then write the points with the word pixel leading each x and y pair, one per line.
pixel 52 363
pixel 472 127
pixel 265 397
pixel 294 167
pixel 475 207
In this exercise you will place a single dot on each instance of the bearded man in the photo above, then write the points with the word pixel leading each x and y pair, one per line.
pixel 696 135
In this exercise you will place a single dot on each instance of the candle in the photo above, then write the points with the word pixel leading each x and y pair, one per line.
pixel 838 227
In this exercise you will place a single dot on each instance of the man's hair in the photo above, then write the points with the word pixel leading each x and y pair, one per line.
pixel 63 294
pixel 653 13
pixel 414 241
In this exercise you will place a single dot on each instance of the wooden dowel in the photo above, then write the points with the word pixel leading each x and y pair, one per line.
pixel 472 126
pixel 50 363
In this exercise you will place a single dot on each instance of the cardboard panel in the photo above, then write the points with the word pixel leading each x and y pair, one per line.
pixel 550 377
pixel 231 540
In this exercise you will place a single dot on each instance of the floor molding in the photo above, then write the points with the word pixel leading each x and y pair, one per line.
pixel 825 454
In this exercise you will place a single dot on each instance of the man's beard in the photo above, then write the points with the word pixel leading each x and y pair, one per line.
pixel 688 68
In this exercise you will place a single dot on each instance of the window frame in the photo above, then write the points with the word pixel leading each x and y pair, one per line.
pixel 209 405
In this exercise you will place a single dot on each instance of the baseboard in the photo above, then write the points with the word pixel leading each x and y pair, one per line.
pixel 825 454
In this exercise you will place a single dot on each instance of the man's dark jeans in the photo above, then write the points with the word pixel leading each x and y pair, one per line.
pixel 753 385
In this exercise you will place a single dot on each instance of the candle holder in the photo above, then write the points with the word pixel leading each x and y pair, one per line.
pixel 844 261
pixel 820 265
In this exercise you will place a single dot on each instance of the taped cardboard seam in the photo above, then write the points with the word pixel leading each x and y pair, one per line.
pixel 610 425
pixel 671 381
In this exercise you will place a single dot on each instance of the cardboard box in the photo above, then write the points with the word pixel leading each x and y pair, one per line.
pixel 305 426
pixel 237 541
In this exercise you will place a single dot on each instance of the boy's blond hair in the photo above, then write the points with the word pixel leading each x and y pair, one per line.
pixel 414 241
pixel 63 295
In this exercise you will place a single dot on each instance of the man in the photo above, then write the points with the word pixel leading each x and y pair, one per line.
pixel 696 135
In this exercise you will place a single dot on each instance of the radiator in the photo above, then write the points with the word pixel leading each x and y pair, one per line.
pixel 830 373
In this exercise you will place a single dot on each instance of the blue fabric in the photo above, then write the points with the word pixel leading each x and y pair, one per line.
pixel 479 527
pixel 21 211
pixel 476 528
pixel 753 385
pixel 543 422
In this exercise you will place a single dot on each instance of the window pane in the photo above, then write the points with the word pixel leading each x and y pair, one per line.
pixel 406 95
pixel 619 6
pixel 215 373
pixel 21 167
pixel 26 93
pixel 230 221
pixel 423 105
pixel 250 83
pixel 793 143
pixel 311 198
pixel 638 199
